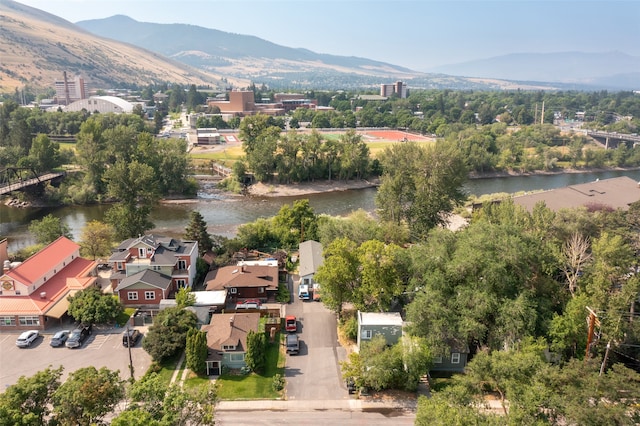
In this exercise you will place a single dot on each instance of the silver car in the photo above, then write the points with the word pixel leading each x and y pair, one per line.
pixel 27 338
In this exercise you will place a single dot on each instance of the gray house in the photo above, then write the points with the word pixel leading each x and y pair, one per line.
pixel 387 324
pixel 454 361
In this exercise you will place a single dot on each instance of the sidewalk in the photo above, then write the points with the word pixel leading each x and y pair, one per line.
pixel 315 405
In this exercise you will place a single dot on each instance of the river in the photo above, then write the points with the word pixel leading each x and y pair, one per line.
pixel 224 213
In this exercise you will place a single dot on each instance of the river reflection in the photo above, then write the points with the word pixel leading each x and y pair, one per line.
pixel 223 213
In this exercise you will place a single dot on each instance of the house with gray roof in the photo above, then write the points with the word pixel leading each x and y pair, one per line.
pixel 311 258
pixel 152 264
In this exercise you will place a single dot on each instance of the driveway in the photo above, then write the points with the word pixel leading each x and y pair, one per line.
pixel 102 349
pixel 314 374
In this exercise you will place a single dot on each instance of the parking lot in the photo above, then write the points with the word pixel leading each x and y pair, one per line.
pixel 102 349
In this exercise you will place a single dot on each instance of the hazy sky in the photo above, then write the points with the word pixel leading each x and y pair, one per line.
pixel 417 34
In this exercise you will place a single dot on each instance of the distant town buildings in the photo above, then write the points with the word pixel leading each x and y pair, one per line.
pixel 398 88
pixel 102 104
pixel 70 90
pixel 242 103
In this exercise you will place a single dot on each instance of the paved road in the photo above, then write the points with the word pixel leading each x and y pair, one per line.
pixel 314 374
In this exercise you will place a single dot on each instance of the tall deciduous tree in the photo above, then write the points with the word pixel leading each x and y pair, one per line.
pixel 92 306
pixel 338 274
pixel 168 334
pixel 96 240
pixel 28 401
pixel 421 186
pixel 44 153
pixel 48 229
pixel 87 396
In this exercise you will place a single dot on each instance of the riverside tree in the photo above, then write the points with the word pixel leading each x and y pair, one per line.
pixel 421 186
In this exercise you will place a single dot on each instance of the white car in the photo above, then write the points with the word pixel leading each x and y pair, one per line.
pixel 27 338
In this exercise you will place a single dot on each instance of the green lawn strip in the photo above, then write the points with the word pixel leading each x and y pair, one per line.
pixel 255 386
pixel 166 368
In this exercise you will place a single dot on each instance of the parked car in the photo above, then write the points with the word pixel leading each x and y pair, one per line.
pixel 27 338
pixel 59 338
pixel 78 336
pixel 290 323
pixel 351 385
pixel 131 337
pixel 249 304
pixel 293 344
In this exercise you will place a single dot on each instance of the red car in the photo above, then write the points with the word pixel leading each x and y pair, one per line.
pixel 290 323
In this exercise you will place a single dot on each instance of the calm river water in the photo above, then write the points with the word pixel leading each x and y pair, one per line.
pixel 224 214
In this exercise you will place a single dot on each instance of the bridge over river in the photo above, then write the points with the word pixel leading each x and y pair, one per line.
pixel 18 178
pixel 613 139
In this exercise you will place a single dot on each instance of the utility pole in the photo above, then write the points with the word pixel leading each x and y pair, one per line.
pixel 130 359
pixel 592 321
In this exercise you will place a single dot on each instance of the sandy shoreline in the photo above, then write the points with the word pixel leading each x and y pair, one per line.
pixel 295 189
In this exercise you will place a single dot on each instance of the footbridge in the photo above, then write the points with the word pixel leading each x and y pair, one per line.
pixel 18 178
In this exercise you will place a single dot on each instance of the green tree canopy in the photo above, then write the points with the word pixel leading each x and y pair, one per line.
pixel 48 229
pixel 92 306
pixel 87 396
pixel 168 334
pixel 96 240
pixel 28 401
pixel 421 186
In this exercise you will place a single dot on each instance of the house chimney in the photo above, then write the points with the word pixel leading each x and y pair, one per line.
pixel 231 320
pixel 43 295
pixel 242 269
pixel 6 266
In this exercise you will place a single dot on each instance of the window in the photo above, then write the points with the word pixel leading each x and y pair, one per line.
pixel 182 264
pixel 233 290
pixel 29 320
pixel 437 360
pixel 7 321
pixel 228 347
pixel 237 357
pixel 366 334
pixel 260 289
pixel 181 283
pixel 149 295
pixel 142 252
pixel 455 358
pixel 132 295
pixel 156 268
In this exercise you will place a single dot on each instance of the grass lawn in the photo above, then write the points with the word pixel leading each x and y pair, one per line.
pixel 167 368
pixel 254 386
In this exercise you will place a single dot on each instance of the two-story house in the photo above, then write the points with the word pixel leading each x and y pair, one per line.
pixel 245 281
pixel 227 340
pixel 33 294
pixel 150 268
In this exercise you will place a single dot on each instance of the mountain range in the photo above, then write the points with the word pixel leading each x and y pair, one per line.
pixel 37 47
